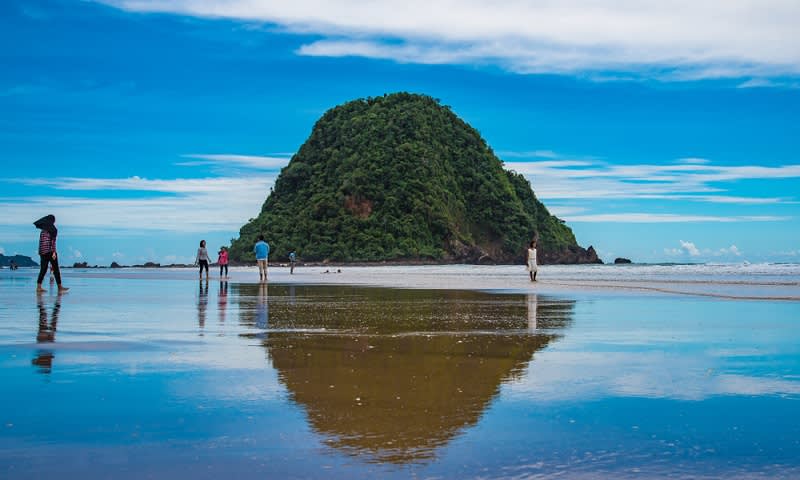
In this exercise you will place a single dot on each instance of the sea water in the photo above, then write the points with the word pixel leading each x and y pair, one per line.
pixel 453 372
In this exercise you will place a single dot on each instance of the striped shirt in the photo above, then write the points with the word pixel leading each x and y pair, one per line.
pixel 47 244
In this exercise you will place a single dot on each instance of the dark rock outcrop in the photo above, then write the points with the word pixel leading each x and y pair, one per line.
pixel 148 265
pixel 621 260
pixel 570 255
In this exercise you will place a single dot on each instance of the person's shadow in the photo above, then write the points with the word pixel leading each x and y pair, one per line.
pixel 46 333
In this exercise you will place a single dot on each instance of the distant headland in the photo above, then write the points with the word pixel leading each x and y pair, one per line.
pixel 20 260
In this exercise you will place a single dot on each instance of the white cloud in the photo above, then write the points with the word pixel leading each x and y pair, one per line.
pixel 2 251
pixel 188 205
pixel 667 218
pixel 250 161
pixel 768 83
pixel 693 161
pixel 689 248
pixel 560 210
pixel 689 179
pixel 530 154
pixel 677 40
pixel 138 184
pixel 730 251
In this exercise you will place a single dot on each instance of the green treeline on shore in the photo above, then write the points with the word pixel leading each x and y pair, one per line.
pixel 400 178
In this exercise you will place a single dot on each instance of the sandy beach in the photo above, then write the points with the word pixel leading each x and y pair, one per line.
pixel 753 282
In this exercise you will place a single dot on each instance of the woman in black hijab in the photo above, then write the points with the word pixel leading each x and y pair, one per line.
pixel 47 251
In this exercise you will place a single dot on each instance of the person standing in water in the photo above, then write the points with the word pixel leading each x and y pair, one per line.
pixel 223 261
pixel 261 250
pixel 292 261
pixel 202 259
pixel 532 264
pixel 47 252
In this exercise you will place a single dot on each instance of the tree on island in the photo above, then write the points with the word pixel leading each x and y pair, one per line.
pixel 401 177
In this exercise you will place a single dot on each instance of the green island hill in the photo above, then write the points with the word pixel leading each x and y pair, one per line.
pixel 401 178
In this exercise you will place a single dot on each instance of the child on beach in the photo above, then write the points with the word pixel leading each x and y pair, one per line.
pixel 532 264
pixel 261 250
pixel 47 252
pixel 222 260
pixel 202 259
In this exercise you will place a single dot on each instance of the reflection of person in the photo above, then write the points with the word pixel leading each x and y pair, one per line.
pixel 223 300
pixel 262 307
pixel 261 250
pixel 46 334
pixel 532 264
pixel 47 251
pixel 202 258
pixel 533 304
pixel 292 260
pixel 223 260
pixel 202 305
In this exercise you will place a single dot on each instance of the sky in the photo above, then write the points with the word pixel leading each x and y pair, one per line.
pixel 660 131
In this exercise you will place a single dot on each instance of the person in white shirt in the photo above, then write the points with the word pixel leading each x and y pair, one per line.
pixel 532 266
pixel 202 259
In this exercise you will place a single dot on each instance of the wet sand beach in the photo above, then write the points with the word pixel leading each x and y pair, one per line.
pixel 398 372
pixel 767 282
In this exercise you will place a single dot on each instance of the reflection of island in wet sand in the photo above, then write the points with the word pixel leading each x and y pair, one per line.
pixel 395 374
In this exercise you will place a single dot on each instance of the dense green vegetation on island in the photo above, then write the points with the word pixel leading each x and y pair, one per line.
pixel 400 177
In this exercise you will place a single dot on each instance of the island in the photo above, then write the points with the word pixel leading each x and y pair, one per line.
pixel 401 178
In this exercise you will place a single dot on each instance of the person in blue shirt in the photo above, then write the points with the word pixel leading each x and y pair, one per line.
pixel 261 250
pixel 292 261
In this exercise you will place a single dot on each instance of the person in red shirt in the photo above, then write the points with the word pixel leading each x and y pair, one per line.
pixel 222 261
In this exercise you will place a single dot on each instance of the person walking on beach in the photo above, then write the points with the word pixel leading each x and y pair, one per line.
pixel 202 259
pixel 532 265
pixel 222 260
pixel 47 251
pixel 262 254
pixel 292 261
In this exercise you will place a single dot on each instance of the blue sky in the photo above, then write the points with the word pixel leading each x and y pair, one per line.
pixel 660 132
